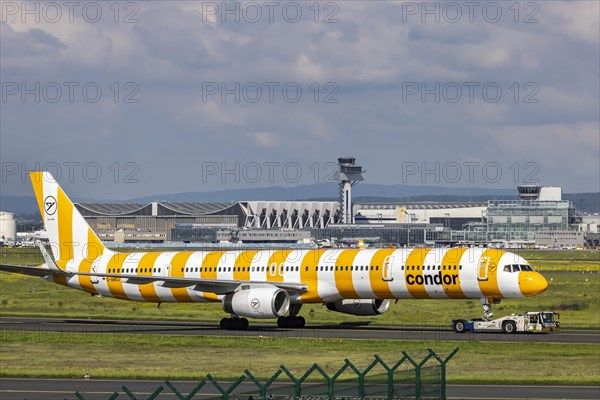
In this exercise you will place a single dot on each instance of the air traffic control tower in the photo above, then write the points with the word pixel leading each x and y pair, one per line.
pixel 349 175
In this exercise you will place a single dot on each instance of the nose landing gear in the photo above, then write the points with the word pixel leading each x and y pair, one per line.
pixel 487 307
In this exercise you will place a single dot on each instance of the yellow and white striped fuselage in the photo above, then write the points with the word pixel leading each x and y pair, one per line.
pixel 329 275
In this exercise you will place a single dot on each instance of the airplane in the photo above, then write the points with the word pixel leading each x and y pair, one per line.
pixel 265 284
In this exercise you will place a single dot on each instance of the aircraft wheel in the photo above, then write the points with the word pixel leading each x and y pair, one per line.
pixel 300 322
pixel 459 326
pixel 245 324
pixel 509 327
pixel 282 322
pixel 225 323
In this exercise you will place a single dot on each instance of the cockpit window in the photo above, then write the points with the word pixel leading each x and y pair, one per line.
pixel 517 268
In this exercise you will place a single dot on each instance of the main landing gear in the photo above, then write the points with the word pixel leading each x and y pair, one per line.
pixel 234 324
pixel 293 320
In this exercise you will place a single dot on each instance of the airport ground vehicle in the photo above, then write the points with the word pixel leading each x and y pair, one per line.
pixel 531 321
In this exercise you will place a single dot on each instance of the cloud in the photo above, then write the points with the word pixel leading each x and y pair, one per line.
pixel 265 139
pixel 367 58
pixel 29 44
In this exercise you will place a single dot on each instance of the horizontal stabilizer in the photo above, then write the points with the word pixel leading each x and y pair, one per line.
pixel 27 270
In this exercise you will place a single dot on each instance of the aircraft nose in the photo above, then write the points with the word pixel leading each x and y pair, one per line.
pixel 532 283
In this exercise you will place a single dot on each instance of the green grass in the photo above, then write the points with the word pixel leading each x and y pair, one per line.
pixel 563 260
pixel 188 357
pixel 575 294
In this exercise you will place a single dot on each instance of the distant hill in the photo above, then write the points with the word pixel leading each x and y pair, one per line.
pixel 18 204
pixel 364 192
pixel 589 202
pixel 329 191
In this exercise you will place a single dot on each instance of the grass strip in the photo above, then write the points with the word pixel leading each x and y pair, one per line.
pixel 127 356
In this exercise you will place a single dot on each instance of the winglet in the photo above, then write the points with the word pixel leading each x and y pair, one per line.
pixel 48 258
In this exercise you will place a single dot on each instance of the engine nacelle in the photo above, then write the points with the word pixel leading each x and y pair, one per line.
pixel 360 306
pixel 257 302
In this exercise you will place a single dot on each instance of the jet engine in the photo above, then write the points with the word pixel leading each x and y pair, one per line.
pixel 257 302
pixel 360 306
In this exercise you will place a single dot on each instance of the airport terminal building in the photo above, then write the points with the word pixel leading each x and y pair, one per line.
pixel 521 221
pixel 538 217
pixel 208 222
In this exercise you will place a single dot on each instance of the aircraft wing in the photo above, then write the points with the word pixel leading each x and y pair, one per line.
pixel 227 286
pixel 217 286
pixel 27 270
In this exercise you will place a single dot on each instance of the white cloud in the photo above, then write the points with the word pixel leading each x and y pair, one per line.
pixel 266 139
pixel 306 70
pixel 172 51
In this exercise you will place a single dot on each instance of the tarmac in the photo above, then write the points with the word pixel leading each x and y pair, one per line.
pixel 343 331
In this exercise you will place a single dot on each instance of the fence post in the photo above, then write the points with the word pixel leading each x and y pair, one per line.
pixel 417 375
pixel 324 375
pixel 337 374
pixel 296 382
pixel 263 388
pixel 388 370
pixel 444 371
pixel 361 379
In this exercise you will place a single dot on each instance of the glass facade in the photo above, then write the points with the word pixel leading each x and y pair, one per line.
pixel 400 234
pixel 518 220
pixel 194 233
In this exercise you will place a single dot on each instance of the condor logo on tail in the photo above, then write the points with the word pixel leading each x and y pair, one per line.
pixel 50 203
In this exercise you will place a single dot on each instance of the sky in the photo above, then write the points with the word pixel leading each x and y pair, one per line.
pixel 122 100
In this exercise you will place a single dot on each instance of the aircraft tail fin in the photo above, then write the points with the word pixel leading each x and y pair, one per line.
pixel 71 238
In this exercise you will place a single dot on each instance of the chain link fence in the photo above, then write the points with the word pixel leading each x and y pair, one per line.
pixel 407 378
